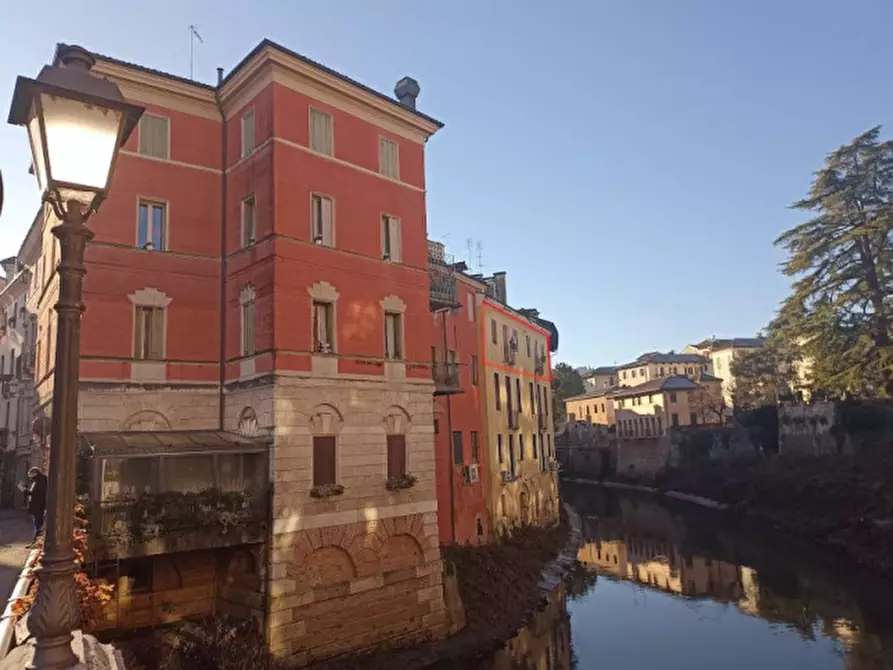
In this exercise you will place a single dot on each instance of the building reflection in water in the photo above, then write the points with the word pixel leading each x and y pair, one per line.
pixel 544 645
pixel 640 540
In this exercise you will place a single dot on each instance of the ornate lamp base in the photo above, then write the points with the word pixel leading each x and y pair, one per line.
pixel 90 653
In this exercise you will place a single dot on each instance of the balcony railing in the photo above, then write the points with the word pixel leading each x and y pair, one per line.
pixel 447 379
pixel 539 365
pixel 441 278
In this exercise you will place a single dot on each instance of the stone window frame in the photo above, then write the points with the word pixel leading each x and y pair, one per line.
pixel 323 291
pixel 247 297
pixel 325 420
pixel 392 304
pixel 150 297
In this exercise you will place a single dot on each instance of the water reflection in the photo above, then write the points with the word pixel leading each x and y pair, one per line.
pixel 675 586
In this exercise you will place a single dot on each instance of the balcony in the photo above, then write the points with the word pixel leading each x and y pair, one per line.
pixel 441 278
pixel 151 493
pixel 509 354
pixel 539 365
pixel 447 379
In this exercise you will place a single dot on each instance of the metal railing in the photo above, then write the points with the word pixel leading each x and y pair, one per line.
pixel 441 277
pixel 446 376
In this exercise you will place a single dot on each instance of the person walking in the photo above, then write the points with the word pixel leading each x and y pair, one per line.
pixel 37 501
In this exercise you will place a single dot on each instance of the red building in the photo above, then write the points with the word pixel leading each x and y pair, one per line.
pixel 260 274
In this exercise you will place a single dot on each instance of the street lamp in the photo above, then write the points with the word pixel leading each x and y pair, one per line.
pixel 76 123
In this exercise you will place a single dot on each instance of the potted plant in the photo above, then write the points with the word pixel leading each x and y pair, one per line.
pixel 400 482
pixel 326 490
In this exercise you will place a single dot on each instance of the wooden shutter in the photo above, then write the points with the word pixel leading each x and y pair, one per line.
pixel 396 455
pixel 139 333
pixel 396 246
pixel 385 236
pixel 154 136
pixel 327 229
pixel 389 336
pixel 320 132
pixel 323 460
pixel 156 333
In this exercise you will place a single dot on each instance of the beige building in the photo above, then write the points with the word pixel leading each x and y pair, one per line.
pixel 649 409
pixel 601 378
pixel 656 365
pixel 722 353
pixel 595 407
pixel 517 379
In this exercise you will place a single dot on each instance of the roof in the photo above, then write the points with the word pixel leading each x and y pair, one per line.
pixel 264 44
pixel 598 393
pixel 657 357
pixel 705 377
pixel 675 383
pixel 718 344
pixel 146 443
pixel 602 370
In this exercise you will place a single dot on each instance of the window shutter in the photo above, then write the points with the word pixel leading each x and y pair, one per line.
pixel 323 460
pixel 396 246
pixel 396 455
pixel 139 333
pixel 385 231
pixel 327 229
pixel 153 136
pixel 156 337
pixel 389 335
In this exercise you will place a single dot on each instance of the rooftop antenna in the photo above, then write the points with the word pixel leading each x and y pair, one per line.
pixel 480 250
pixel 193 35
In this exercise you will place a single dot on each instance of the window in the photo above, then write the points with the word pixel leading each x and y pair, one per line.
pixel 321 132
pixel 249 231
pixel 148 333
pixel 641 372
pixel 532 401
pixel 388 158
pixel 693 418
pixel 674 418
pixel 49 345
pixel 549 453
pixel 496 390
pixel 672 396
pixel 546 400
pixel 151 226
pixel 396 456
pixel 249 320
pixel 535 454
pixel 323 327
pixel 632 374
pixel 508 393
pixel 248 134
pixel 322 220
pixel 154 136
pixel 457 447
pixel 474 370
pixel 518 395
pixel 521 447
pixel 475 448
pixel 393 336
pixel 660 428
pixel 390 239
pixel 470 302
pixel 527 339
pixel 499 450
pixel 437 426
pixel 493 336
pixel 323 460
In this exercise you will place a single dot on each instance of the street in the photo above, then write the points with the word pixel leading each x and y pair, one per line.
pixel 15 533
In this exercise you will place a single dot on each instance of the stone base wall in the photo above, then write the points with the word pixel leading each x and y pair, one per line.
pixel 530 499
pixel 642 458
pixel 131 407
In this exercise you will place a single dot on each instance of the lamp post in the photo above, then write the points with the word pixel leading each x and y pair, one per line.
pixel 76 123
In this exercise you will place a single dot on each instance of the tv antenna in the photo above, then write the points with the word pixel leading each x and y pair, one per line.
pixel 193 35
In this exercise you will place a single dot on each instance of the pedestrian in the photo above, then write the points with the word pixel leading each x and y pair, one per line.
pixel 37 501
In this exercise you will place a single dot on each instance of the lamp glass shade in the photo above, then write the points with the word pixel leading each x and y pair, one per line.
pixel 81 140
pixel 35 134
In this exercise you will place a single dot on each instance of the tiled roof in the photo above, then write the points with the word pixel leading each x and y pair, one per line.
pixel 603 370
pixel 598 393
pixel 718 344
pixel 676 383
pixel 657 357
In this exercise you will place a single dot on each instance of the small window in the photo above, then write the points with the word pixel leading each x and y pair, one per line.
pixel 521 447
pixel 674 418
pixel 532 400
pixel 148 344
pixel 388 158
pixel 249 321
pixel 535 452
pixel 470 303
pixel 322 219
pixel 474 370
pixel 154 134
pixel 493 333
pixel 249 231
pixel 321 132
pixel 390 239
pixel 527 338
pixel 393 336
pixel 496 390
pixel 499 449
pixel 475 448
pixel 151 226
pixel 693 418
pixel 323 460
pixel 323 327
pixel 457 447
pixel 248 134
pixel 549 453
pixel 437 426
pixel 396 456
pixel 672 396
pixel 633 374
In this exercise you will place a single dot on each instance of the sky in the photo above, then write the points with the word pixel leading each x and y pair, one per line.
pixel 628 163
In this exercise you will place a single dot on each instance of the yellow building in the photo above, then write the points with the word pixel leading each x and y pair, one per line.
pixel 656 365
pixel 601 378
pixel 649 409
pixel 517 376
pixel 722 354
pixel 595 407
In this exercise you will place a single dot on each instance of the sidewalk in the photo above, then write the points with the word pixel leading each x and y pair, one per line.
pixel 15 533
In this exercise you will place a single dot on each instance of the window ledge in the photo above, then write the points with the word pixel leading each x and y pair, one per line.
pixel 324 364
pixel 148 371
pixel 395 369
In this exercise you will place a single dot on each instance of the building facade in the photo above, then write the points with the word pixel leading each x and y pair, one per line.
pixel 460 428
pixel 595 406
pixel 723 353
pixel 604 377
pixel 261 269
pixel 657 365
pixel 516 348
pixel 649 410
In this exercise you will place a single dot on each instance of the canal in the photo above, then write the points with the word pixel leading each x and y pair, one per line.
pixel 672 585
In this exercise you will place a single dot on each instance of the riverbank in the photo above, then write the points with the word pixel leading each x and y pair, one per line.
pixel 842 503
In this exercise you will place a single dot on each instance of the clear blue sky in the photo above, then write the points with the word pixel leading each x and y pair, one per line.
pixel 628 163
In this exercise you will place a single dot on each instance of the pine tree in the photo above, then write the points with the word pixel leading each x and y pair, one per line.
pixel 840 311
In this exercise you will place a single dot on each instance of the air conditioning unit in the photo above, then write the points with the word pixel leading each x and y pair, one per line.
pixel 473 474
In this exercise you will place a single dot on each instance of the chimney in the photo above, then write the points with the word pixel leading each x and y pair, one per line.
pixel 499 286
pixel 407 90
pixel 219 76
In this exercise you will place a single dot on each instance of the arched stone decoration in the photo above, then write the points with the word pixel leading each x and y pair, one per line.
pixel 393 304
pixel 325 419
pixel 323 291
pixel 327 565
pixel 400 551
pixel 149 297
pixel 248 425
pixel 146 419
pixel 397 421
pixel 247 295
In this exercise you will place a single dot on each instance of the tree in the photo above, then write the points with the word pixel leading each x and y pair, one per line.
pixel 708 403
pixel 566 383
pixel 840 309
pixel 762 377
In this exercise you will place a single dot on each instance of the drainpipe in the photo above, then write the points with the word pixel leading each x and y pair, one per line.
pixel 449 434
pixel 223 206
